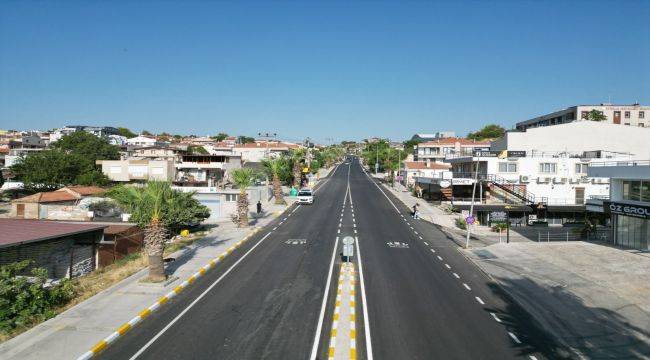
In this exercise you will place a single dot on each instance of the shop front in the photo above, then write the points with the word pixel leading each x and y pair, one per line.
pixel 631 224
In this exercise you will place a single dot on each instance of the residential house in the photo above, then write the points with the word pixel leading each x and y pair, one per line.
pixel 63 249
pixel 409 170
pixel 255 152
pixel 439 149
pixel 138 169
pixel 62 204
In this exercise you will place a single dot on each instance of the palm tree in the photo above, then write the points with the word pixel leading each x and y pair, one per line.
pixel 243 178
pixel 297 156
pixel 276 167
pixel 146 207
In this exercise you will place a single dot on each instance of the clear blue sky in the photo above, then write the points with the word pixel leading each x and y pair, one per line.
pixel 346 70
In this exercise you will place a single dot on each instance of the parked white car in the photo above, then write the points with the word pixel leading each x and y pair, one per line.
pixel 305 196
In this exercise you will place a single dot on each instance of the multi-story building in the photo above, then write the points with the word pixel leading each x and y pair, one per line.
pixel 200 170
pixel 99 131
pixel 632 115
pixel 434 136
pixel 142 141
pixel 439 149
pixel 629 201
pixel 255 152
pixel 138 169
pixel 409 170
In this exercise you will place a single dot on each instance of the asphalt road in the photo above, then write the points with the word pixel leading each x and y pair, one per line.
pixel 271 300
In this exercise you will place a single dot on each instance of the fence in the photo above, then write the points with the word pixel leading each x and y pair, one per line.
pixel 548 236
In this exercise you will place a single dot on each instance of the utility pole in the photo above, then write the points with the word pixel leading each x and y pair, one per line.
pixel 471 207
pixel 377 159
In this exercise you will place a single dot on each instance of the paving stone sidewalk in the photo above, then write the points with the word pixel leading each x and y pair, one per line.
pixel 74 331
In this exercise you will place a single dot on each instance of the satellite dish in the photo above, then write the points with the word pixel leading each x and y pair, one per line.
pixel 348 240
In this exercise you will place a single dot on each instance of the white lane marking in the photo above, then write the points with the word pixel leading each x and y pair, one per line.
pixel 354 225
pixel 338 231
pixel 382 191
pixel 425 243
pixel 479 300
pixel 319 326
pixel 355 231
pixel 456 276
pixel 467 287
pixel 171 323
pixel 275 228
pixel 495 317
pixel 285 219
pixel 447 266
pixel 421 238
pixel 433 251
pixel 531 357
pixel 439 258
pixel 514 337
pixel 339 225
pixel 415 232
pixel 364 302
pixel 280 222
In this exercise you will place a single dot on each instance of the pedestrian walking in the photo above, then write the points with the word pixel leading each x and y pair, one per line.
pixel 259 206
pixel 416 213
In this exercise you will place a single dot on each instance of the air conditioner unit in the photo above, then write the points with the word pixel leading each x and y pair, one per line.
pixel 574 180
pixel 524 179
pixel 585 180
pixel 600 180
pixel 559 180
pixel 543 180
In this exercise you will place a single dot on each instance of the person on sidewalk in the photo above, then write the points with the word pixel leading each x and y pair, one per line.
pixel 259 207
pixel 416 213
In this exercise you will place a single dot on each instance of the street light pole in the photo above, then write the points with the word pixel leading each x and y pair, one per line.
pixel 377 159
pixel 471 207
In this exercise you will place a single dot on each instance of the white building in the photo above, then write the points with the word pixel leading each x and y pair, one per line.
pixel 629 201
pixel 138 170
pixel 434 136
pixel 99 131
pixel 143 141
pixel 409 170
pixel 579 137
pixel 259 150
pixel 632 115
pixel 439 149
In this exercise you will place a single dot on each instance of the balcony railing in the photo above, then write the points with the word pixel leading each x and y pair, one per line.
pixel 620 163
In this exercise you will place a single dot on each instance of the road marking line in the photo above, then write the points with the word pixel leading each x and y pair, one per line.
pixel 338 231
pixel 514 337
pixel 170 324
pixel 433 251
pixel 285 219
pixel 439 258
pixel 355 231
pixel 425 243
pixel 456 276
pixel 467 287
pixel 531 357
pixel 280 222
pixel 421 238
pixel 364 302
pixel 415 232
pixel 275 228
pixel 479 300
pixel 495 317
pixel 321 316
pixel 447 266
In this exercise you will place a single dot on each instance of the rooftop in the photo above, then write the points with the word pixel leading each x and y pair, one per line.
pixel 453 140
pixel 421 165
pixel 70 193
pixel 19 231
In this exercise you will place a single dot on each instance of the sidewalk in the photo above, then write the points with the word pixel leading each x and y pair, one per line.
pixel 593 298
pixel 76 330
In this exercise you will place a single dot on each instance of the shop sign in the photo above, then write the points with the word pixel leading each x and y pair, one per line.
pixel 633 210
pixel 498 216
pixel 516 153
pixel 445 183
pixel 484 153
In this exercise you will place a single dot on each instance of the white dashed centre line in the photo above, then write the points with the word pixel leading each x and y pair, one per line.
pixel 447 266
pixel 439 258
pixel 433 251
pixel 514 337
pixel 425 243
pixel 495 317
pixel 456 276
pixel 467 287
pixel 275 228
pixel 479 300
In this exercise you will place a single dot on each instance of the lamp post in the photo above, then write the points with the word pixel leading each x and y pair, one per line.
pixel 471 207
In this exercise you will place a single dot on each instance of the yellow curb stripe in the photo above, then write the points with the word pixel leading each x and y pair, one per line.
pixel 353 334
pixel 202 271
pixel 162 300
pixel 144 313
pixel 124 328
pixel 178 289
pixel 99 347
pixel 353 354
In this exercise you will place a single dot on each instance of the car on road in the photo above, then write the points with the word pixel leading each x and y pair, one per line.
pixel 305 196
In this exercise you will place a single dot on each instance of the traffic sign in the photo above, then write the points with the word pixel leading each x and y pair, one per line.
pixel 348 240
pixel 470 220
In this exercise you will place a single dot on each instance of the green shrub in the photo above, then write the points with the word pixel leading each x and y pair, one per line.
pixel 461 224
pixel 496 227
pixel 25 299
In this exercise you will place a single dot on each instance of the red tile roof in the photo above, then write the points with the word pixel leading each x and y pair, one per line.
pixel 70 193
pixel 420 165
pixel 18 231
pixel 452 141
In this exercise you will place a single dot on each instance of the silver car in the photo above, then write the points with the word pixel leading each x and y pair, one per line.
pixel 305 196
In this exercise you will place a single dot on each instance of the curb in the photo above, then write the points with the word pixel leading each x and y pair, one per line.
pixel 102 344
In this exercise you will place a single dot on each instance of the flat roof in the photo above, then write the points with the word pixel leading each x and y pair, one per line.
pixel 20 231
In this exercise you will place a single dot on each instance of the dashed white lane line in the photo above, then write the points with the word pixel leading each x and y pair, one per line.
pixel 416 233
pixel 456 276
pixel 425 243
pixel 479 300
pixel 281 222
pixel 355 231
pixel 275 228
pixel 447 266
pixel 420 237
pixel 439 258
pixel 433 251
pixel 495 317
pixel 339 225
pixel 531 357
pixel 467 287
pixel 354 225
pixel 338 231
pixel 285 219
pixel 514 337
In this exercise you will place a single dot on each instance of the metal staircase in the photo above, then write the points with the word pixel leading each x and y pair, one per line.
pixel 513 189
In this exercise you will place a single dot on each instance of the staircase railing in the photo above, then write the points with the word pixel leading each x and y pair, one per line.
pixel 507 186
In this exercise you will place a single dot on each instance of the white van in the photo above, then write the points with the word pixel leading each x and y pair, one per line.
pixel 305 196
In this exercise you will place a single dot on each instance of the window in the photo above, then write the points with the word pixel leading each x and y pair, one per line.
pixel 628 124
pixel 581 168
pixel 584 115
pixel 632 190
pixel 645 191
pixel 507 167
pixel 641 114
pixel 641 125
pixel 547 168
pixel 627 114
pixel 231 197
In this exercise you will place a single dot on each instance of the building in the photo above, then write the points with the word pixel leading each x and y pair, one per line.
pixel 199 170
pixel 223 202
pixel 409 170
pixel 434 136
pixel 14 154
pixel 632 115
pixel 99 131
pixel 439 149
pixel 578 137
pixel 138 170
pixel 255 152
pixel 64 204
pixel 144 141
pixel 628 205
pixel 63 249
pixel 117 140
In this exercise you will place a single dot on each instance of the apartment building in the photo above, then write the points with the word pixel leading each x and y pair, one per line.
pixel 99 131
pixel 632 115
pixel 439 149
pixel 198 170
pixel 433 136
pixel 409 170
pixel 628 205
pixel 142 141
pixel 255 152
pixel 138 170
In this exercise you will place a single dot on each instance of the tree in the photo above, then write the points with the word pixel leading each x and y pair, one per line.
pixel 88 146
pixel 275 167
pixel 126 132
pixel 492 131
pixel 245 139
pixel 596 115
pixel 193 149
pixel 146 133
pixel 243 178
pixel 297 156
pixel 409 144
pixel 220 137
pixel 159 210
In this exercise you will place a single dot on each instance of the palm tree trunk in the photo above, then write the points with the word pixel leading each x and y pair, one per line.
pixel 296 174
pixel 242 209
pixel 154 240
pixel 277 190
